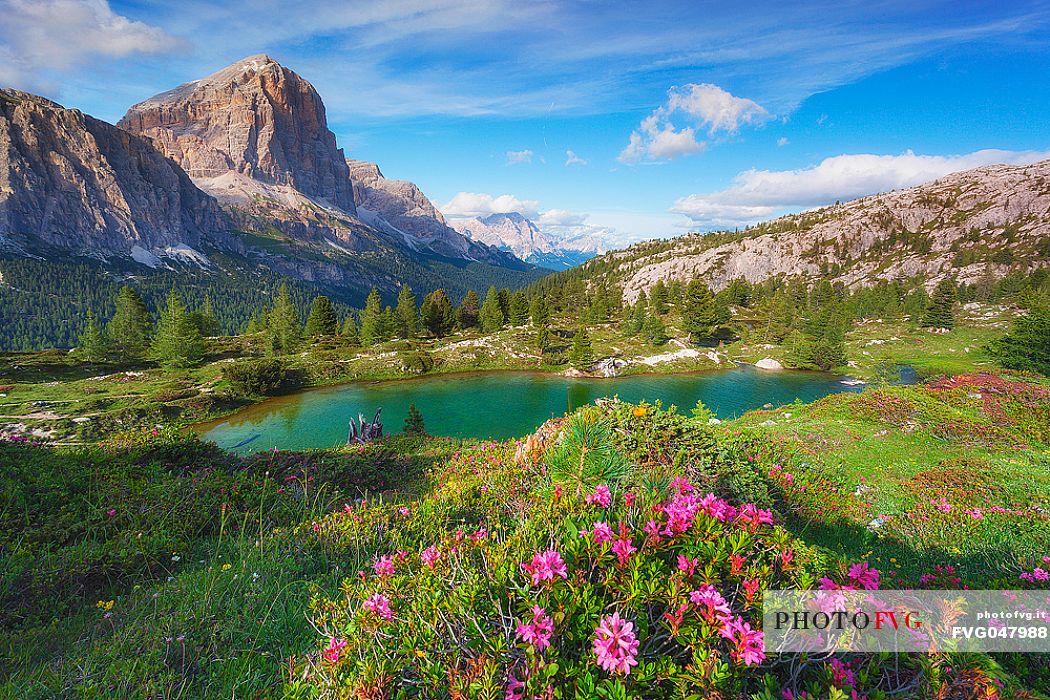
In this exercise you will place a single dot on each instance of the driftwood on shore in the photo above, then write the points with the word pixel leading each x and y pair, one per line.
pixel 362 432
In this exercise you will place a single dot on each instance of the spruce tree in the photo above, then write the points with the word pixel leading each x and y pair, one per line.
pixel 467 316
pixel 543 338
pixel 700 314
pixel 92 346
pixel 437 314
pixel 581 356
pixel 283 324
pixel 539 311
pixel 654 330
pixel 178 343
pixel 504 303
pixel 491 316
pixel 414 421
pixel 322 319
pixel 205 319
pixel 372 319
pixel 658 298
pixel 519 309
pixel 388 327
pixel 941 311
pixel 350 333
pixel 1027 346
pixel 407 315
pixel 130 328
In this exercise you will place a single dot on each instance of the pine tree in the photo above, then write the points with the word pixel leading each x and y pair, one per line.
pixel 941 311
pixel 504 303
pixel 178 343
pixel 539 311
pixel 205 319
pixel 467 316
pixel 92 346
pixel 322 319
pixel 283 324
pixel 654 330
pixel 414 422
pixel 491 316
pixel 519 309
pixel 1027 346
pixel 700 314
pixel 130 328
pixel 658 298
pixel 350 334
pixel 372 319
pixel 389 324
pixel 581 356
pixel 543 338
pixel 437 314
pixel 407 315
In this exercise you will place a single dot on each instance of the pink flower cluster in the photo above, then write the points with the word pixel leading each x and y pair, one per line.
pixel 379 604
pixel 747 645
pixel 332 651
pixel 860 575
pixel 431 556
pixel 623 549
pixel 615 644
pixel 712 606
pixel 538 632
pixel 602 497
pixel 751 516
pixel 546 566
pixel 600 532
pixel 384 566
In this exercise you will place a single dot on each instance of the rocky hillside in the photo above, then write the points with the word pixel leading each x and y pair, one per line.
pixel 513 232
pixel 993 218
pixel 74 183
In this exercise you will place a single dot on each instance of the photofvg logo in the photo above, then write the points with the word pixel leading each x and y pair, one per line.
pixel 905 621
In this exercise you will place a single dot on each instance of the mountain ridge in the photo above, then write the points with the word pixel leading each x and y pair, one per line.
pixel 517 233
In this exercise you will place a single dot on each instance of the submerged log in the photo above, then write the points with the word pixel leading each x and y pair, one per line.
pixel 362 432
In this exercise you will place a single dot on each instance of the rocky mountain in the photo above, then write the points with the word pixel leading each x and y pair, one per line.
pixel 399 207
pixel 72 183
pixel 992 218
pixel 252 121
pixel 515 233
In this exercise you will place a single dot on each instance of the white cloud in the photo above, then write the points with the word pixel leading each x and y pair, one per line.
pixel 759 194
pixel 703 106
pixel 467 204
pixel 560 217
pixel 515 157
pixel 41 35
pixel 572 159
pixel 783 141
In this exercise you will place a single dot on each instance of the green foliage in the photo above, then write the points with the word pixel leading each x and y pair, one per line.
pixel 491 316
pixel 519 309
pixel 586 455
pixel 283 330
pixel 372 319
pixel 700 315
pixel 93 345
pixel 129 330
pixel 467 314
pixel 437 315
pixel 406 314
pixel 1027 346
pixel 178 343
pixel 941 311
pixel 322 320
pixel 654 330
pixel 204 319
pixel 414 422
pixel 350 333
pixel 261 377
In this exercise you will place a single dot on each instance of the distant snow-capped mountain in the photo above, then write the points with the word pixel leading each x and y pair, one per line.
pixel 513 232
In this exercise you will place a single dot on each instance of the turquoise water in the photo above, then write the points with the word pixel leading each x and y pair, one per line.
pixel 499 405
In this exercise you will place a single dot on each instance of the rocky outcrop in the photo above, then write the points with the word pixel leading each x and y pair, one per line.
pixel 993 218
pixel 255 119
pixel 516 233
pixel 769 363
pixel 78 184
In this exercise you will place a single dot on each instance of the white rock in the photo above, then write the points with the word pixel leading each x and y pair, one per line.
pixel 768 363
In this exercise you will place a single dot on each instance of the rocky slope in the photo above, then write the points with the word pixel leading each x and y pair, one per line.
pixel 74 183
pixel 996 217
pixel 515 233
pixel 253 120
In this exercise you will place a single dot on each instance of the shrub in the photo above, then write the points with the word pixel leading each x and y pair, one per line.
pixel 261 377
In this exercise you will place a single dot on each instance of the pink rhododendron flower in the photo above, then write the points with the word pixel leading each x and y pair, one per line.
pixel 629 498
pixel 864 576
pixel 478 535
pixel 546 566
pixel 652 528
pixel 751 516
pixel 681 485
pixel 623 549
pixel 111 512
pixel 430 556
pixel 331 652
pixel 384 566
pixel 515 688
pixel 841 675
pixel 687 565
pixel 615 644
pixel 681 512
pixel 601 532
pixel 944 506
pixel 601 497
pixel 747 643
pixel 403 511
pixel 538 632
pixel 751 587
pixel 717 508
pixel 712 606
pixel 975 513
pixel 736 564
pixel 380 605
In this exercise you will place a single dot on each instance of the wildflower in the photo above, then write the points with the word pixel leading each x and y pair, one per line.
pixel 538 632
pixel 380 605
pixel 639 411
pixel 975 513
pixel 601 497
pixel 403 511
pixel 112 512
pixel 331 653
pixel 676 618
pixel 944 506
pixel 736 564
pixel 546 566
pixel 841 675
pixel 384 566
pixel 752 516
pixel 864 576
pixel 687 565
pixel 105 604
pixel 623 549
pixel 557 492
pixel 746 642
pixel 717 508
pixel 601 532
pixel 515 688
pixel 478 535
pixel 681 485
pixel 615 644
pixel 629 498
pixel 652 528
pixel 681 512
pixel 711 604
pixel 751 586
pixel 227 566
pixel 430 556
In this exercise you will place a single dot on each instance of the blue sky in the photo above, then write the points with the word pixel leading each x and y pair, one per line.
pixel 627 120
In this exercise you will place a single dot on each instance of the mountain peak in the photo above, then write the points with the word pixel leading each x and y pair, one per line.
pixel 254 118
